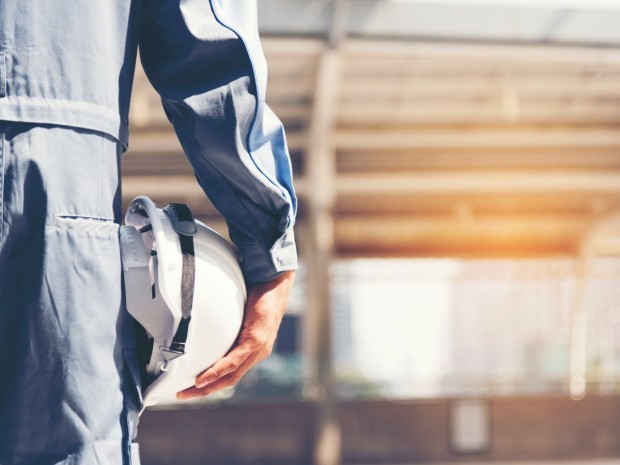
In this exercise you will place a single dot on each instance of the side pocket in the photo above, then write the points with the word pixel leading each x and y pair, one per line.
pixel 133 402
pixel 85 223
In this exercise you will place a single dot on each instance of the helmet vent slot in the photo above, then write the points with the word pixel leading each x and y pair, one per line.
pixel 153 273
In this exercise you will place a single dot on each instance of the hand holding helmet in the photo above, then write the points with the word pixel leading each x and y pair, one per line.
pixel 264 311
pixel 185 288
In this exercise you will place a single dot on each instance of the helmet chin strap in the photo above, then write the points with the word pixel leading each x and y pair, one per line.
pixel 183 223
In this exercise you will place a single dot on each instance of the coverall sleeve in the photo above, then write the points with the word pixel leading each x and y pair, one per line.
pixel 205 60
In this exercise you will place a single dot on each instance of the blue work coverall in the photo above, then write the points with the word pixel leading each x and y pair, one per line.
pixel 69 376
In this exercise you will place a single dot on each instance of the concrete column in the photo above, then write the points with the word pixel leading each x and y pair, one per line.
pixel 319 252
pixel 579 317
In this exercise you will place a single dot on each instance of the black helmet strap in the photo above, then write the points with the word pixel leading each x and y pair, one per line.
pixel 183 223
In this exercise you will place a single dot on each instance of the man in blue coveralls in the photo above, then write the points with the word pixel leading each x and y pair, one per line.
pixel 69 377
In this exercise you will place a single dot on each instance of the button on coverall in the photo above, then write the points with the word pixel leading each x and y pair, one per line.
pixel 69 376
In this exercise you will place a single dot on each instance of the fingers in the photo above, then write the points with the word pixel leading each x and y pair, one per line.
pixel 222 382
pixel 229 370
pixel 265 306
pixel 229 364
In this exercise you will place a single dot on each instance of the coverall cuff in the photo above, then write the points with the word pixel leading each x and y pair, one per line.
pixel 264 261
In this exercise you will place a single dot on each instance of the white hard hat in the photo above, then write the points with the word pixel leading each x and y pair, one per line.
pixel 184 285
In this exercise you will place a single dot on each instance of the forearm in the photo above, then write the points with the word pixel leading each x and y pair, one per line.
pixel 210 72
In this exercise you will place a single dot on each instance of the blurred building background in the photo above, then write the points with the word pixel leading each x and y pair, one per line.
pixel 457 164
